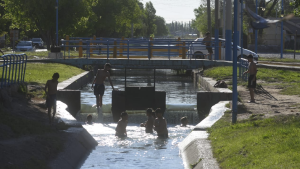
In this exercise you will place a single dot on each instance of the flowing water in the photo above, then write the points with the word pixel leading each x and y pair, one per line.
pixel 140 149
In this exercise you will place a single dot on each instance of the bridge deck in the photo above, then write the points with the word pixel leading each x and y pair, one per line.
pixel 157 63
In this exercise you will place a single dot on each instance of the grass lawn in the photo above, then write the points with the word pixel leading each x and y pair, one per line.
pixel 287 60
pixel 257 143
pixel 39 73
pixel 287 80
pixel 44 54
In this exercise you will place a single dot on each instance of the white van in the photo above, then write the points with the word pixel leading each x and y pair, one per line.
pixel 197 49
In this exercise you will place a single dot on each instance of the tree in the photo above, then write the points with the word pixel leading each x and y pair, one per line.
pixel 150 18
pixel 161 29
pixel 114 17
pixel 200 23
pixel 39 15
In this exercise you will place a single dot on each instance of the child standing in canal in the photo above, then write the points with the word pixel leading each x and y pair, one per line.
pixel 99 83
pixel 160 124
pixel 121 126
pixel 50 90
pixel 149 123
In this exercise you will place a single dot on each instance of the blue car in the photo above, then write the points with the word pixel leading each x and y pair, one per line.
pixel 24 46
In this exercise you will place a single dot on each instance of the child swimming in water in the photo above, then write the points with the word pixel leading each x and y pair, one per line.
pixel 122 124
pixel 149 123
pixel 184 121
pixel 160 124
pixel 89 119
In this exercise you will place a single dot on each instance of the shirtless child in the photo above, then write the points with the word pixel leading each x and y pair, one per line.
pixel 252 70
pixel 99 83
pixel 160 124
pixel 50 90
pixel 207 41
pixel 149 123
pixel 121 126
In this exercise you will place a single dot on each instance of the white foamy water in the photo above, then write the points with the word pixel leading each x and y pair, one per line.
pixel 138 150
pixel 175 10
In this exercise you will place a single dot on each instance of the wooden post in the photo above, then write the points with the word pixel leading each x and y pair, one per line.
pixel 179 47
pixel 80 48
pixel 67 43
pixel 91 48
pixel 183 51
pixel 151 44
pixel 115 49
pixel 121 47
pixel 220 50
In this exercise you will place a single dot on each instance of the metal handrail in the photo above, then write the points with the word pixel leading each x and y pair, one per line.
pixel 129 47
pixel 13 69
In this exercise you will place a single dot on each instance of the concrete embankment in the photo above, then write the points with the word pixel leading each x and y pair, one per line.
pixel 210 95
pixel 195 149
pixel 79 143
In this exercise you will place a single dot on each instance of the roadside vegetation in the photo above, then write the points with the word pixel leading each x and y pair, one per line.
pixel 286 80
pixel 259 141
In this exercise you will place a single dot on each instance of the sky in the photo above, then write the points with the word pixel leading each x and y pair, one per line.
pixel 175 10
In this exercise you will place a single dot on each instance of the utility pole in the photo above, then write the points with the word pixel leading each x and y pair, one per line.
pixel 217 30
pixel 255 31
pixel 224 18
pixel 282 13
pixel 239 15
pixel 208 16
pixel 234 72
pixel 228 31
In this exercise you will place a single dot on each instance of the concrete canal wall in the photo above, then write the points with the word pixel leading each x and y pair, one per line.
pixel 79 143
pixel 195 149
pixel 210 95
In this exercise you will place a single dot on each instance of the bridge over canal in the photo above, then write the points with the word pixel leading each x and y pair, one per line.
pixel 186 64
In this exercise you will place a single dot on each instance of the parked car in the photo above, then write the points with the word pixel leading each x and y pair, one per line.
pixel 38 43
pixel 25 46
pixel 198 50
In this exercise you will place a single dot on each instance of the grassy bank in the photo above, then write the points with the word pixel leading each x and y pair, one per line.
pixel 287 60
pixel 288 81
pixel 257 143
pixel 39 73
pixel 27 139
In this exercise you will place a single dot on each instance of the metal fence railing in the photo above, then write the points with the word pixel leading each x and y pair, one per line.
pixel 146 48
pixel 12 69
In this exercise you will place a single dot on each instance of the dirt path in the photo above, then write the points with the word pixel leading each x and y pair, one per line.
pixel 269 102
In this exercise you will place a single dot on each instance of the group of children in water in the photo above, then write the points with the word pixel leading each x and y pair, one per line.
pixel 155 121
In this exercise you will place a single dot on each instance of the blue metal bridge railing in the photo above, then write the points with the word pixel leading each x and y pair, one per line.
pixel 13 69
pixel 133 48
